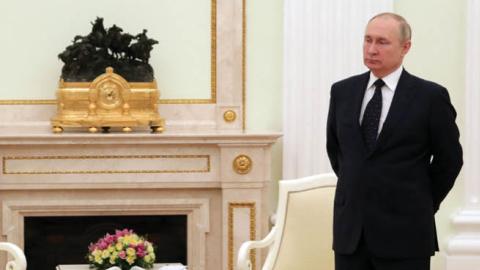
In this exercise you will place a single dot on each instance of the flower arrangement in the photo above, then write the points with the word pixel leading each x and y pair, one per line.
pixel 124 249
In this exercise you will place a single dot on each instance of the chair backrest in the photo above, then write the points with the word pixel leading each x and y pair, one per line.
pixel 304 224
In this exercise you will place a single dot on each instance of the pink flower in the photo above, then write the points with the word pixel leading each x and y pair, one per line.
pixel 141 253
pixel 123 232
pixel 122 254
pixel 92 247
pixel 110 239
pixel 102 245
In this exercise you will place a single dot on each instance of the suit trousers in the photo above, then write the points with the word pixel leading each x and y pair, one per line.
pixel 362 259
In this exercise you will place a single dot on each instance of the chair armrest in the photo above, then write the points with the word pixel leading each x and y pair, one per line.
pixel 243 261
pixel 19 262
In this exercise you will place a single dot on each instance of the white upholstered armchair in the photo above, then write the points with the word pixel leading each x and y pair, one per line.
pixel 19 261
pixel 302 235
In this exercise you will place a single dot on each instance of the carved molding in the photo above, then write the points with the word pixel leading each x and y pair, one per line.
pixel 229 116
pixel 231 230
pixel 172 163
pixel 242 164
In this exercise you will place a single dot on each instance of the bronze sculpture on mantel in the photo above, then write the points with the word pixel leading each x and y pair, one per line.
pixel 107 82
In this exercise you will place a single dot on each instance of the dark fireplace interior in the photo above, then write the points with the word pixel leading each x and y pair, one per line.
pixel 50 241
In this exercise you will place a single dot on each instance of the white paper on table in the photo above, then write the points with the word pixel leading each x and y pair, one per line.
pixel 172 267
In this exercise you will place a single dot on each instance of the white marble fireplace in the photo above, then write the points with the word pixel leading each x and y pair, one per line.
pixel 204 175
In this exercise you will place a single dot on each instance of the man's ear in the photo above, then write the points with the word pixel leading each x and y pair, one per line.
pixel 406 47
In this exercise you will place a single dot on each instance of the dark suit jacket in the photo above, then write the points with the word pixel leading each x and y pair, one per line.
pixel 392 192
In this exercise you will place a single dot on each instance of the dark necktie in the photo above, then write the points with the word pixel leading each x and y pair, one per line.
pixel 371 116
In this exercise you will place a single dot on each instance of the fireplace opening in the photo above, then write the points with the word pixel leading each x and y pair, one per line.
pixel 50 241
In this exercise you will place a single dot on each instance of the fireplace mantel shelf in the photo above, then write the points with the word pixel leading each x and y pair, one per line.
pixel 214 137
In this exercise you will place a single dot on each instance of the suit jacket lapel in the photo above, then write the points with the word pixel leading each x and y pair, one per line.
pixel 400 104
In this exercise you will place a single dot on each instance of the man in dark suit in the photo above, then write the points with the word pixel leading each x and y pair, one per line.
pixel 394 145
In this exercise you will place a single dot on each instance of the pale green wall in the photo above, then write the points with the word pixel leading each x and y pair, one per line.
pixel 438 54
pixel 33 37
pixel 264 71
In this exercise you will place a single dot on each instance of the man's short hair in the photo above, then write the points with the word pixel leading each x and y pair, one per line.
pixel 405 30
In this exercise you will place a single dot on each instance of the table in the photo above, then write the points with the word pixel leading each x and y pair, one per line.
pixel 156 266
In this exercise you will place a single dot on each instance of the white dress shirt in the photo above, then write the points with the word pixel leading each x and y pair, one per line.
pixel 391 81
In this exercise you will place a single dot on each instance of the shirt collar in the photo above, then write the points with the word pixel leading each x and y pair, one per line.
pixel 391 80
